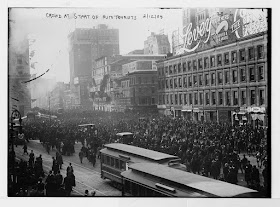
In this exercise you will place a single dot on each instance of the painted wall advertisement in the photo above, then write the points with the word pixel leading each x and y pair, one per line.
pixel 222 27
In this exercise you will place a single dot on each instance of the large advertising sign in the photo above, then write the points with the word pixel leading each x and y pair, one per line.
pixel 224 26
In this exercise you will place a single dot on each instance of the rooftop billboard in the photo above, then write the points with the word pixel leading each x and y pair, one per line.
pixel 207 29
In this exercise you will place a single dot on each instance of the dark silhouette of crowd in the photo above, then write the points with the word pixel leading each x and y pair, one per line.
pixel 206 148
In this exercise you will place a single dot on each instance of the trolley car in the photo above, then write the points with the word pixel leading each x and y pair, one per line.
pixel 116 157
pixel 151 179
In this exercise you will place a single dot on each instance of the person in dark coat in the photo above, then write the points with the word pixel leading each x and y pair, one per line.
pixel 31 158
pixel 69 169
pixel 68 185
pixel 24 149
pixel 59 160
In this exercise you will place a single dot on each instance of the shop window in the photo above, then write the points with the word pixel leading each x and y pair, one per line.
pixel 242 55
pixel 226 58
pixel 219 60
pixel 251 53
pixel 184 67
pixel 260 51
pixel 261 72
pixel 206 62
pixel 234 57
pixel 253 97
pixel 220 98
pixel 242 74
pixel 252 73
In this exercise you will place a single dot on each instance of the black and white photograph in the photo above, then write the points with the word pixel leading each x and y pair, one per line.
pixel 139 102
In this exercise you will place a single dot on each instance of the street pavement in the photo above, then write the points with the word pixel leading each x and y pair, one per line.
pixel 87 176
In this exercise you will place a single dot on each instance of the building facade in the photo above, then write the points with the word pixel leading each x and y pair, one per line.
pixel 157 44
pixel 18 75
pixel 225 81
pixel 85 46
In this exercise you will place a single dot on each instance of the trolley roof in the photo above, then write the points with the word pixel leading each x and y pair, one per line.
pixel 190 180
pixel 124 133
pixel 138 151
pixel 85 125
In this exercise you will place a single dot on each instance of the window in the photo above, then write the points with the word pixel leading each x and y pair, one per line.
pixel 194 80
pixel 251 53
pixel 226 77
pixel 206 79
pixel 179 68
pixel 213 79
pixel 212 62
pixel 261 100
pixel 220 98
pixel 194 65
pixel 190 81
pixel 219 60
pixel 153 89
pixel 175 68
pixel 234 76
pixel 167 99
pixel 206 62
pixel 190 98
pixel 253 97
pixel 233 57
pixel 166 83
pixel 180 82
pixel 201 98
pixel 140 90
pixel 117 164
pixel 261 72
pixel 213 98
pixel 200 63
pixel 176 99
pixel 171 83
pixel 162 84
pixel 112 162
pixel 184 67
pixel 185 82
pixel 163 99
pixel 175 82
pixel 122 165
pixel 153 79
pixel 185 99
pixel 235 98
pixel 226 55
pixel 200 79
pixel 220 78
pixel 180 99
pixel 242 55
pixel 242 74
pixel 227 98
pixel 260 51
pixel 171 99
pixel 207 98
pixel 195 99
pixel 139 80
pixel 252 73
pixel 170 69
pixel 243 97
pixel 159 84
pixel 166 70
pixel 189 65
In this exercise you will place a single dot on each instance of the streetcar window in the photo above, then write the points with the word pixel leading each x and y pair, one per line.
pixel 134 189
pixel 108 160
pixel 117 162
pixel 122 165
pixel 112 162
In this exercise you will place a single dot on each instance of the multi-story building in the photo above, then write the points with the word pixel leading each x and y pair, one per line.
pixel 220 73
pixel 85 46
pixel 138 91
pixel 18 75
pixel 157 44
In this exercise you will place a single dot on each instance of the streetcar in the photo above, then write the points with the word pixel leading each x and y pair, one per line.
pixel 151 179
pixel 116 157
pixel 125 137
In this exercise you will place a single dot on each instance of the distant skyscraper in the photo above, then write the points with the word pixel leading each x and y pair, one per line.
pixel 86 45
pixel 157 44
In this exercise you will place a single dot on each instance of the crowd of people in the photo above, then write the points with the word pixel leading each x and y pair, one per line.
pixel 206 148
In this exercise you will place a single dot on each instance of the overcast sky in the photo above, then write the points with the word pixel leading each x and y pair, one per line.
pixel 51 46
